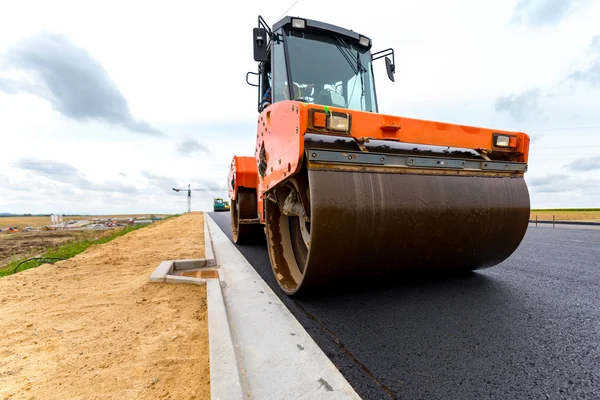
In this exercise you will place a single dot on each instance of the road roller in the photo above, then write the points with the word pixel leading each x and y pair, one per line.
pixel 341 191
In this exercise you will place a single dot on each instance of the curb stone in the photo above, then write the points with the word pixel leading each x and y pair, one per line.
pixel 257 348
pixel 166 268
pixel 277 357
pixel 225 377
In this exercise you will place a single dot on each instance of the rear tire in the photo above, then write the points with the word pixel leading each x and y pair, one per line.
pixel 244 207
pixel 288 247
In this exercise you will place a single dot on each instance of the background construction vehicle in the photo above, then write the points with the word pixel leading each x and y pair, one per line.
pixel 220 205
pixel 344 192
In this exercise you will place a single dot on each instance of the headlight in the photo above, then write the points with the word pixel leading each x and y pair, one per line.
pixel 504 141
pixel 329 121
pixel 298 23
pixel 338 122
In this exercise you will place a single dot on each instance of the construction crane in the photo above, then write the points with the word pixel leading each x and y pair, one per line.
pixel 189 192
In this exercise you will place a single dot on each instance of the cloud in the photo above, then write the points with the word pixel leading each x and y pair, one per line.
pixel 210 185
pixel 123 174
pixel 66 173
pixel 190 146
pixel 545 12
pixel 527 104
pixel 591 74
pixel 55 170
pixel 166 184
pixel 585 164
pixel 76 85
pixel 560 183
pixel 520 106
pixel 202 188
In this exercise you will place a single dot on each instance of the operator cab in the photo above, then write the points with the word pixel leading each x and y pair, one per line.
pixel 326 64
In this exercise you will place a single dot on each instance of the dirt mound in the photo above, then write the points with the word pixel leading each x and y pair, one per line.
pixel 94 326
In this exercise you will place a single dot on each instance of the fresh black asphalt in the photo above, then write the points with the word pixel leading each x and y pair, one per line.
pixel 528 328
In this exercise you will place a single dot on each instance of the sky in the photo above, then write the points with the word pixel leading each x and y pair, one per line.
pixel 106 106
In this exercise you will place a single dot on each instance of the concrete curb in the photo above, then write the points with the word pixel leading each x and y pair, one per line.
pixel 166 268
pixel 209 254
pixel 225 377
pixel 257 348
pixel 276 356
pixel 165 272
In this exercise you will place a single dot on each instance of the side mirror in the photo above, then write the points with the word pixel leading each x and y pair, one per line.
pixel 248 82
pixel 390 67
pixel 260 44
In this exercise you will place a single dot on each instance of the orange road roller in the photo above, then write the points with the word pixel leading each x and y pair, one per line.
pixel 342 191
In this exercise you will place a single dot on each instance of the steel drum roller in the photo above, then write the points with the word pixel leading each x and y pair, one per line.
pixel 366 223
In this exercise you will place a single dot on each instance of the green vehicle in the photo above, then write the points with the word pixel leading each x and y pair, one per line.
pixel 220 205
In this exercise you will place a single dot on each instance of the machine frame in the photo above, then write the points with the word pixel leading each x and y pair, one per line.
pixel 312 159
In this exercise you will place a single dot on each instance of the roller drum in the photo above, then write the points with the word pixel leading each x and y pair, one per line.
pixel 365 223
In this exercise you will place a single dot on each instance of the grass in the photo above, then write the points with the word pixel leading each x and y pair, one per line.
pixel 67 250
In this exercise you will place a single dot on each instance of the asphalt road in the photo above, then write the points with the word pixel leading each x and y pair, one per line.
pixel 526 329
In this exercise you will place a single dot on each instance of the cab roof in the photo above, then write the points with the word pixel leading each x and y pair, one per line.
pixel 320 26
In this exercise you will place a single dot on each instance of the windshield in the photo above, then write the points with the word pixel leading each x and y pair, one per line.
pixel 329 71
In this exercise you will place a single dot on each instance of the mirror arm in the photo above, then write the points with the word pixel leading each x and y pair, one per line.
pixel 262 23
pixel 383 53
pixel 248 82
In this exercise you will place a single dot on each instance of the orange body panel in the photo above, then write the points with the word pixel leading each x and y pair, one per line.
pixel 280 132
pixel 281 129
pixel 243 173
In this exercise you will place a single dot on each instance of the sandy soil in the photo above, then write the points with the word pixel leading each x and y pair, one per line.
pixel 94 327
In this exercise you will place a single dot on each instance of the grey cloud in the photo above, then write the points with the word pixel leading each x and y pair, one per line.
pixel 545 180
pixel 520 106
pixel 66 173
pixel 4 180
pixel 525 105
pixel 585 164
pixel 166 184
pixel 38 191
pixel 55 170
pixel 545 12
pixel 123 174
pixel 211 186
pixel 190 146
pixel 71 80
pixel 560 183
pixel 591 74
